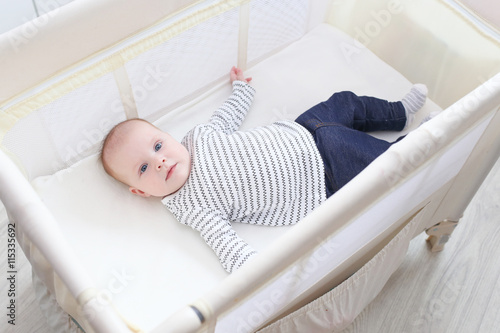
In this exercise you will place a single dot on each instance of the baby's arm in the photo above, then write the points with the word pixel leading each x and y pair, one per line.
pixel 230 115
pixel 218 233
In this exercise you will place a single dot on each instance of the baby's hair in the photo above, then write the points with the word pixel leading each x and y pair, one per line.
pixel 110 141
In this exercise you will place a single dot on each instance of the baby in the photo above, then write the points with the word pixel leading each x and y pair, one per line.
pixel 272 175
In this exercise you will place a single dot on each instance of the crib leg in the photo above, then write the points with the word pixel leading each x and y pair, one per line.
pixel 439 234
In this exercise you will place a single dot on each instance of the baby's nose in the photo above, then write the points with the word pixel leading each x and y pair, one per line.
pixel 162 162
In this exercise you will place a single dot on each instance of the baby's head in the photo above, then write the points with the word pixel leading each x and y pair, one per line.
pixel 146 159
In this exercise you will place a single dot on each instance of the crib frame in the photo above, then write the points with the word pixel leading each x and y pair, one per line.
pixel 438 211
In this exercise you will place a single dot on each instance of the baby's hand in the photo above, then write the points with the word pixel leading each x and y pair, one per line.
pixel 236 74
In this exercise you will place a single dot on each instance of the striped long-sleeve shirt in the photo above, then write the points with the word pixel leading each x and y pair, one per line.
pixel 271 175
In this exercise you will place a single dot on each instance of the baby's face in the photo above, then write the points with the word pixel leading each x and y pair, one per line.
pixel 150 161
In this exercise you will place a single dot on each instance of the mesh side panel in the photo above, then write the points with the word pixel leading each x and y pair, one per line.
pixel 72 127
pixel 184 64
pixel 68 129
pixel 274 24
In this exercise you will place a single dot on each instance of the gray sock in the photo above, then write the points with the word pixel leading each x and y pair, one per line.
pixel 413 101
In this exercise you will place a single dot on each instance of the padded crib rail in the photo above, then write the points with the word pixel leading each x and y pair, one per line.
pixel 434 167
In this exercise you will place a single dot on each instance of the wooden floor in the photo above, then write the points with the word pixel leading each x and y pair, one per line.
pixel 454 291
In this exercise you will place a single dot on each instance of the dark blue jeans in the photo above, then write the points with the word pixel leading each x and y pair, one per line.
pixel 339 127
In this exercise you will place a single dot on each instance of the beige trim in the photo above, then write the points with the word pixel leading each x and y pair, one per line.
pixel 126 93
pixel 243 36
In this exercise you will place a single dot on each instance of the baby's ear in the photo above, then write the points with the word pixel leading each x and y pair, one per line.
pixel 138 192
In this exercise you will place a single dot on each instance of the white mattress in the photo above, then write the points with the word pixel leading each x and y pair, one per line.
pixel 134 249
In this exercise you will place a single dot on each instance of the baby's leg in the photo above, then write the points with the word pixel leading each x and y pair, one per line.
pixel 365 113
pixel 383 113
pixel 362 113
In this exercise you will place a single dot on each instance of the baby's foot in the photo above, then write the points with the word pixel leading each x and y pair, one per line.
pixel 413 101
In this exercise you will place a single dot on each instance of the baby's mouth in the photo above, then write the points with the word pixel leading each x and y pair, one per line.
pixel 170 171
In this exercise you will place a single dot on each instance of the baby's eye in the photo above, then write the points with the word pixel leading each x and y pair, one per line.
pixel 158 146
pixel 144 168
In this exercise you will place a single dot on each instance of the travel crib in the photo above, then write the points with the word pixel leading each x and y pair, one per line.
pixel 115 262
